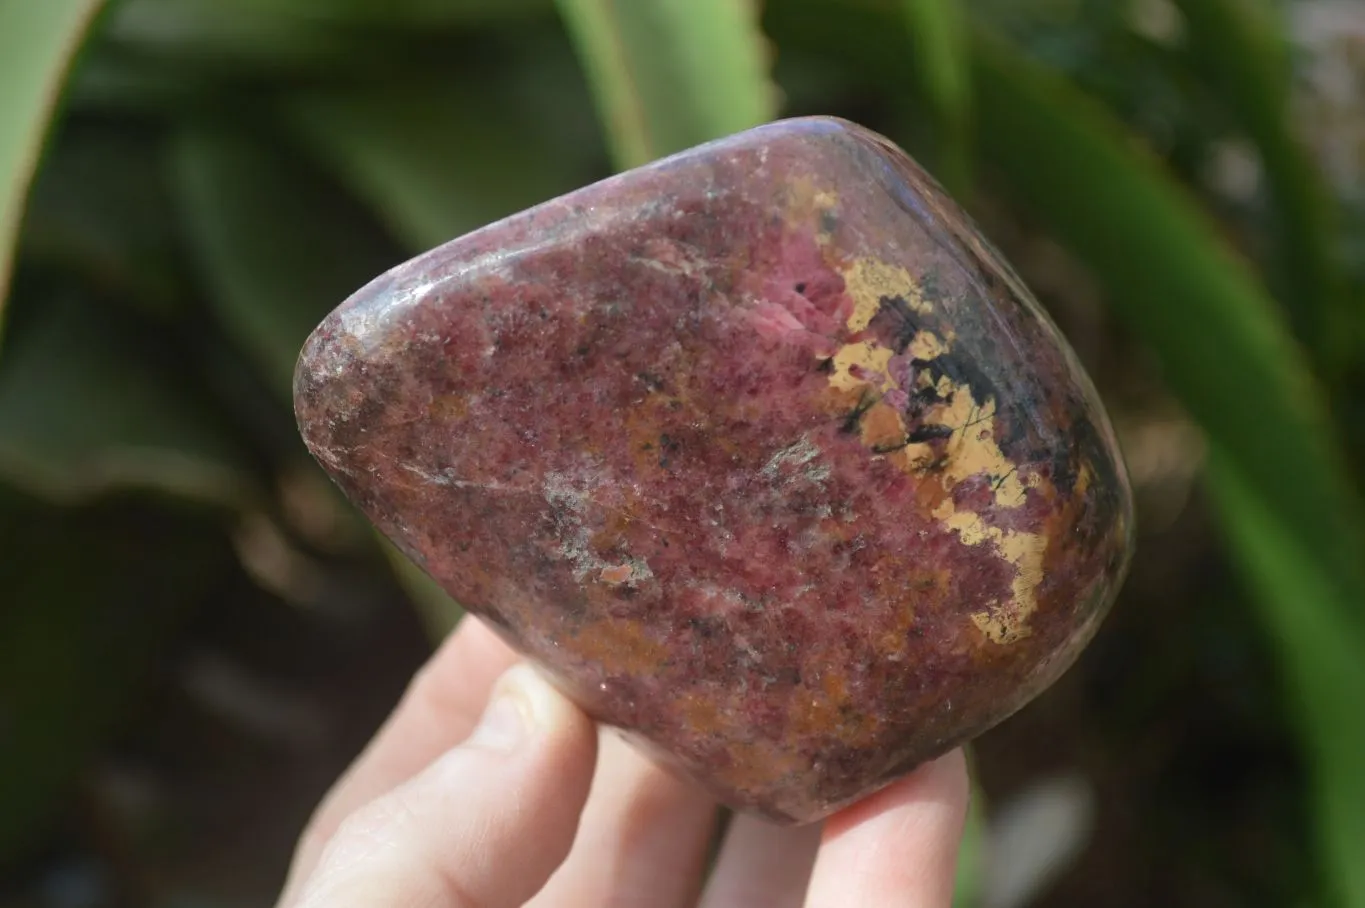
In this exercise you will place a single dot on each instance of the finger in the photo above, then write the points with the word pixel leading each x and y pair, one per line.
pixel 438 710
pixel 642 840
pixel 484 825
pixel 898 847
pixel 762 865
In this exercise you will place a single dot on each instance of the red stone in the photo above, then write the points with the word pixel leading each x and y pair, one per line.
pixel 761 451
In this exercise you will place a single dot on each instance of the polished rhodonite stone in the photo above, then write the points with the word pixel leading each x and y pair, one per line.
pixel 760 451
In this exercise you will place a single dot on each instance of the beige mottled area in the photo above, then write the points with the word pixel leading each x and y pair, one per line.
pixel 971 449
pixel 616 575
pixel 619 647
pixel 758 765
pixel 448 408
pixel 869 280
pixel 973 452
pixel 823 708
pixel 883 427
pixel 1005 622
pixel 926 345
pixel 815 710
pixel 702 714
pixel 863 364
pixel 807 202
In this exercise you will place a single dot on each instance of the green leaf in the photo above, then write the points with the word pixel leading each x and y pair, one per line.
pixel 280 250
pixel 37 42
pixel 100 209
pixel 279 247
pixel 84 412
pixel 669 74
pixel 93 597
pixel 432 161
pixel 1219 337
pixel 1240 47
pixel 942 57
pixel 244 37
pixel 409 13
pixel 210 33
pixel 1288 507
pixel 1322 662
pixel 297 26
pixel 971 856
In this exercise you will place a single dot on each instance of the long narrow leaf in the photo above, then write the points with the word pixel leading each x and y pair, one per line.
pixel 287 35
pixel 279 254
pixel 1293 517
pixel 99 209
pixel 409 13
pixel 939 34
pixel 408 151
pixel 971 856
pixel 669 74
pixel 1222 345
pixel 1324 673
pixel 1240 48
pixel 81 414
pixel 37 41
pixel 276 248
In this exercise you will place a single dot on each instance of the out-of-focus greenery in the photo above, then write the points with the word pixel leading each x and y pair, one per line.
pixel 215 175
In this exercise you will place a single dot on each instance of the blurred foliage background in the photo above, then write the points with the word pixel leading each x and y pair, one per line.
pixel 196 635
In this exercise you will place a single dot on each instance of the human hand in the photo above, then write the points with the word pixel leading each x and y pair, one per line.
pixel 445 808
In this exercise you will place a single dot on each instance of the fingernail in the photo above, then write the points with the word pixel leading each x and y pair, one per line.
pixel 507 718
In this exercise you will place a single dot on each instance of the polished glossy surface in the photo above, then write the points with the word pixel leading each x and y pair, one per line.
pixel 760 450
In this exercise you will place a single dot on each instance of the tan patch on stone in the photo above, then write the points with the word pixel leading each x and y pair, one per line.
pixel 972 450
pixel 1083 477
pixel 863 367
pixel 758 765
pixel 868 280
pixel 1004 622
pixel 930 493
pixel 882 427
pixel 891 638
pixel 916 458
pixel 868 357
pixel 646 422
pixel 620 647
pixel 926 345
pixel 807 201
pixel 821 710
pixel 448 408
pixel 616 575
pixel 700 714
pixel 835 400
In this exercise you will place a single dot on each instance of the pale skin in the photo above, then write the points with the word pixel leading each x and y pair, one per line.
pixel 486 788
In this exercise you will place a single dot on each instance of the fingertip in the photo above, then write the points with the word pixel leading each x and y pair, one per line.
pixel 549 709
pixel 440 706
pixel 522 704
pixel 939 788
pixel 531 792
pixel 898 846
pixel 642 839
pixel 485 824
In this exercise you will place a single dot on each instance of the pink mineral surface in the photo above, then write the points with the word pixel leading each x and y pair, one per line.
pixel 760 451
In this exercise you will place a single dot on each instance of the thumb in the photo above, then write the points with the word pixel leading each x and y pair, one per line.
pixel 484 825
